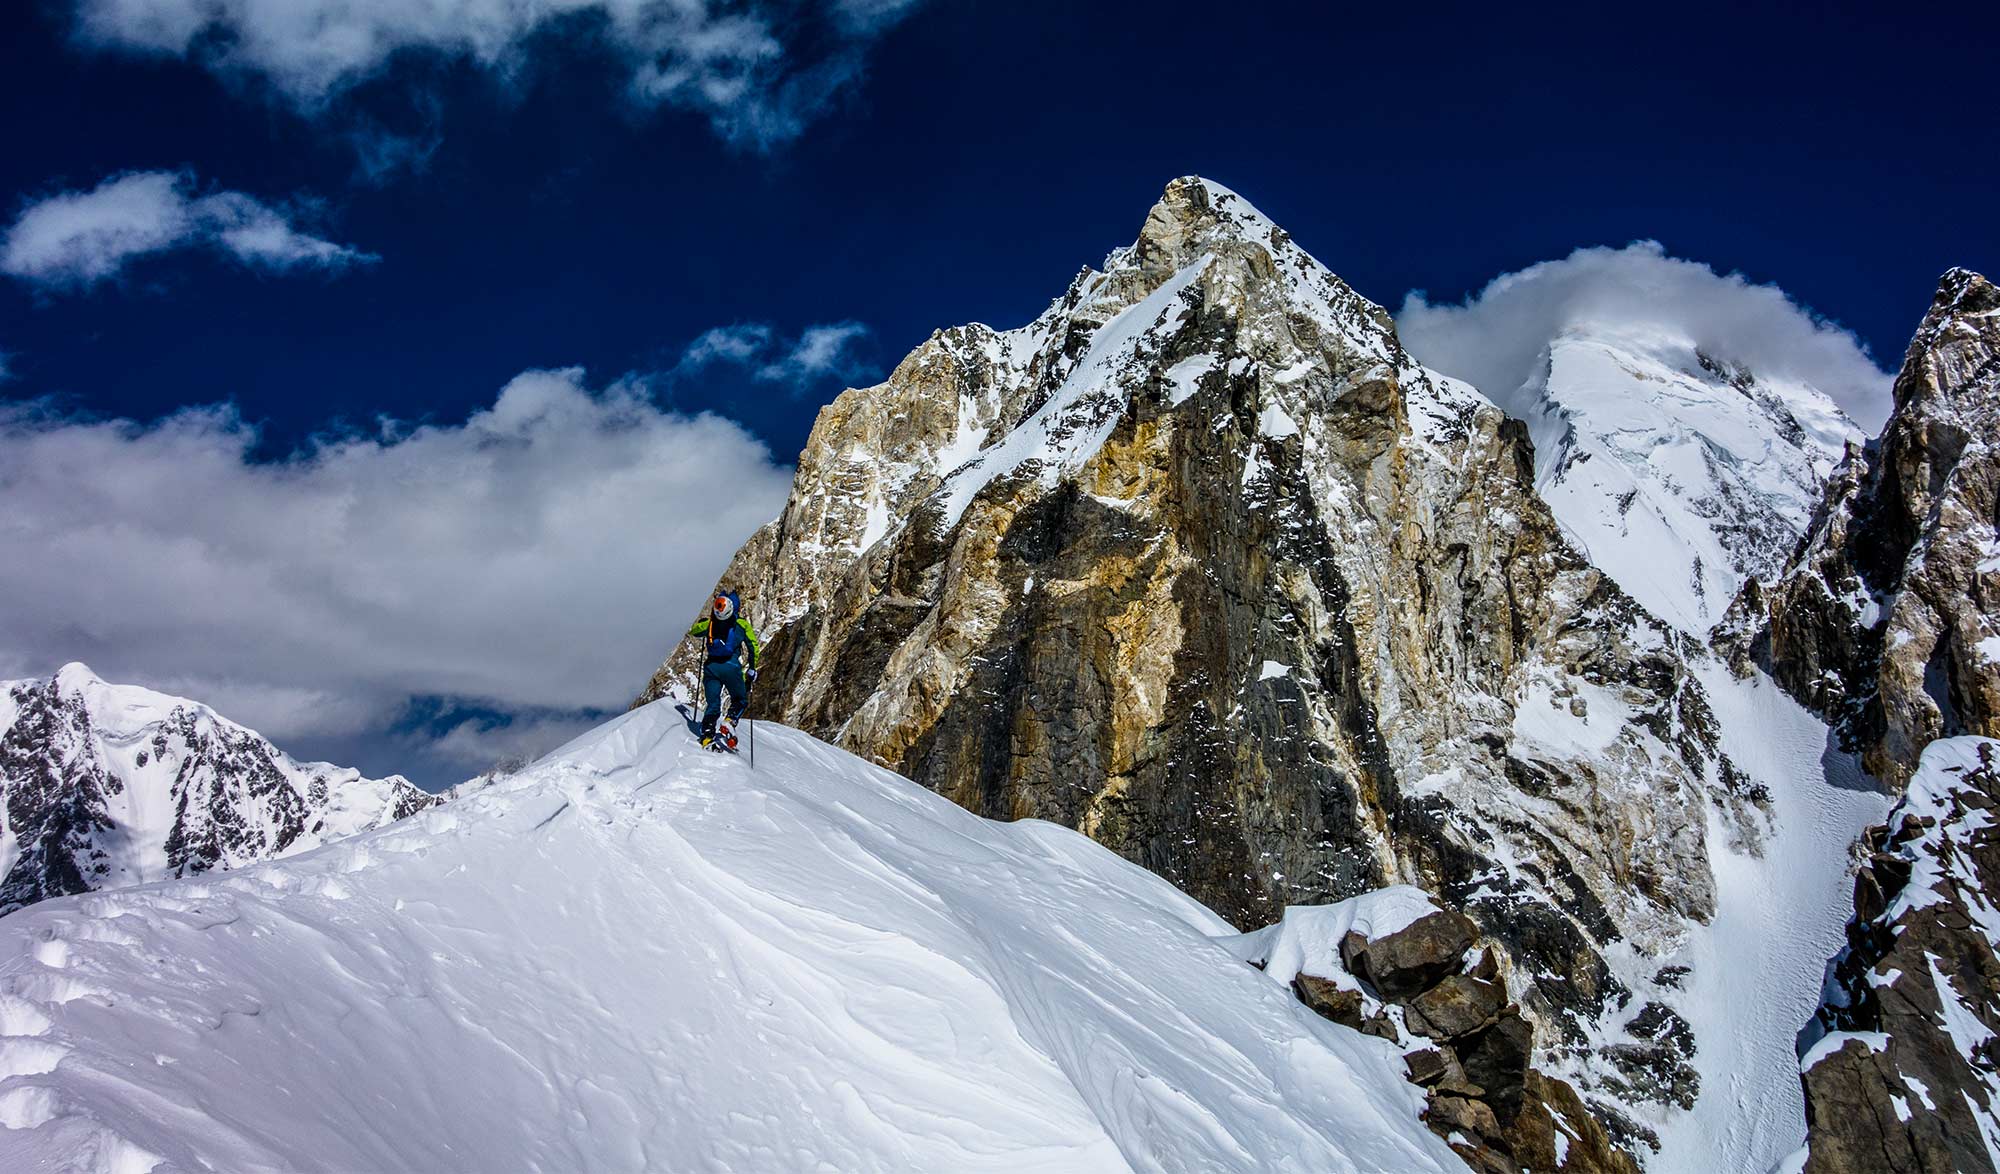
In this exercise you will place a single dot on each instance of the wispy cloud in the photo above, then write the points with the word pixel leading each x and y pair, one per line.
pixel 537 559
pixel 760 72
pixel 1495 339
pixel 821 352
pixel 741 343
pixel 73 240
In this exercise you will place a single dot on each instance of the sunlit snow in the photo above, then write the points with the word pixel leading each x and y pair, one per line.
pixel 639 956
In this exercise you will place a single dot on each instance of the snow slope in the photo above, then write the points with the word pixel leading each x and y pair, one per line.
pixel 1677 474
pixel 1782 905
pixel 635 955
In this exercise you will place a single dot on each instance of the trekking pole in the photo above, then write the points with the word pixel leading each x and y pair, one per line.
pixel 694 692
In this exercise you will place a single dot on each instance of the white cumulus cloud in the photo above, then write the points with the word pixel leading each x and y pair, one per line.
pixel 77 239
pixel 536 560
pixel 1494 340
pixel 760 72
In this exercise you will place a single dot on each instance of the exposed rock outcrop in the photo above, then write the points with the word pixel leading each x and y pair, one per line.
pixel 1901 1070
pixel 1889 621
pixel 1424 979
pixel 108 785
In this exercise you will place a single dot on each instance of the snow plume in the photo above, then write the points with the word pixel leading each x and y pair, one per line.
pixel 74 240
pixel 1496 338
pixel 535 560
pixel 759 72
pixel 820 352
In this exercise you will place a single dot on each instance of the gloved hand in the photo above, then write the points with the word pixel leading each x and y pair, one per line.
pixel 750 674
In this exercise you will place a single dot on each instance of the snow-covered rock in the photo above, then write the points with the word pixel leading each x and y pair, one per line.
pixel 639 956
pixel 1678 474
pixel 1391 963
pixel 110 785
pixel 1901 1068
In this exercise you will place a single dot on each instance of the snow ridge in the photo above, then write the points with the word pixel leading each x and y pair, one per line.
pixel 657 959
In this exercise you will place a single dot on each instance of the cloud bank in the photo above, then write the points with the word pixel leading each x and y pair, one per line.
pixel 73 240
pixel 537 560
pixel 760 72
pixel 1494 340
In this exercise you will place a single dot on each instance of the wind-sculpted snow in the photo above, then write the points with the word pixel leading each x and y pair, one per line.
pixel 637 956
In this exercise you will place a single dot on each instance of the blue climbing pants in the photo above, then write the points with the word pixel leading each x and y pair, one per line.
pixel 718 674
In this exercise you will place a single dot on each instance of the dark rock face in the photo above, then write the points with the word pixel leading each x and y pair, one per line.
pixel 57 804
pixel 71 794
pixel 1885 620
pixel 1457 1006
pixel 1329 1000
pixel 1659 1065
pixel 1902 1075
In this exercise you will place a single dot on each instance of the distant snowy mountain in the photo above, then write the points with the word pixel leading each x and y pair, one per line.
pixel 111 785
pixel 1679 474
pixel 639 956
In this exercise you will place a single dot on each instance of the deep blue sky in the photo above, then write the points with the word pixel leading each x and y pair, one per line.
pixel 991 150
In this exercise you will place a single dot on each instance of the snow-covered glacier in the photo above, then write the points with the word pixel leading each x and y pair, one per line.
pixel 1679 474
pixel 638 956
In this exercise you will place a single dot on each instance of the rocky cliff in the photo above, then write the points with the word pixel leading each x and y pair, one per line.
pixel 110 785
pixel 1889 621
pixel 1202 563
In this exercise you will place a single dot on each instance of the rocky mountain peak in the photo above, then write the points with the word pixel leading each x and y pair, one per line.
pixel 1194 216
pixel 1201 563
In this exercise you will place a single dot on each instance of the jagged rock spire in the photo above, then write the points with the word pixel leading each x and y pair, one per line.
pixel 1890 619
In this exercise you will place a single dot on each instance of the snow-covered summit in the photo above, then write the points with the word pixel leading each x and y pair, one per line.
pixel 1679 474
pixel 637 956
pixel 107 784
